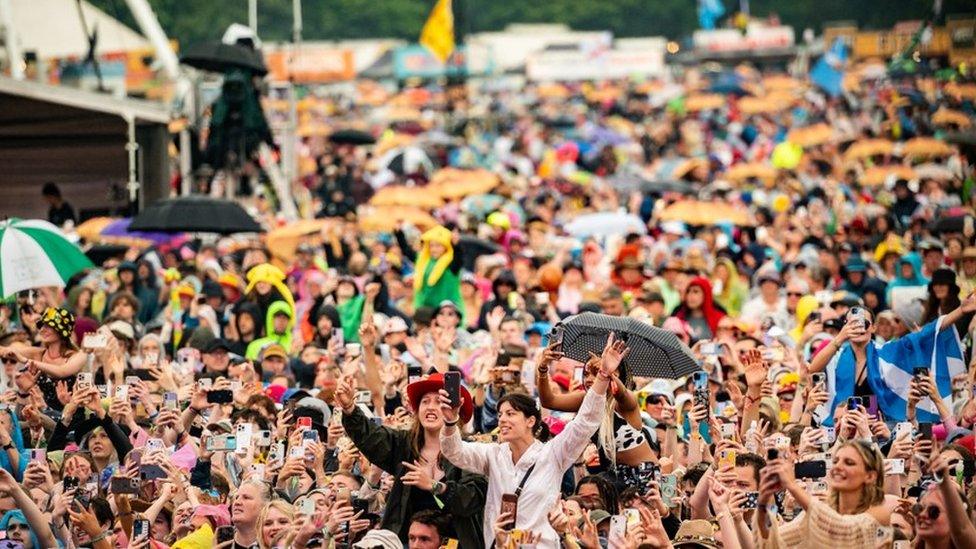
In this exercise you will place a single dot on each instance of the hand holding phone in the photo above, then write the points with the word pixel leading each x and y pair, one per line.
pixel 452 384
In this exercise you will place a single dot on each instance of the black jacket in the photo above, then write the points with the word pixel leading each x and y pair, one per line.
pixel 387 448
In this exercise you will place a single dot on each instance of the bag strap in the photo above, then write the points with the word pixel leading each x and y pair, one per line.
pixel 525 477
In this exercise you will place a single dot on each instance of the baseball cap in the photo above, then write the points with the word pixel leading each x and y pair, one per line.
pixel 274 350
pixel 394 325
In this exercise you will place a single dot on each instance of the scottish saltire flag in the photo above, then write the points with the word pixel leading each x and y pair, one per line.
pixel 890 367
pixel 828 73
pixel 709 12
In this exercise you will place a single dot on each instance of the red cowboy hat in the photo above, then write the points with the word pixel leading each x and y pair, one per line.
pixel 435 382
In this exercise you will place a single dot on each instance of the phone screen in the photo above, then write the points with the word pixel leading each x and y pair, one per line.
pixel 452 384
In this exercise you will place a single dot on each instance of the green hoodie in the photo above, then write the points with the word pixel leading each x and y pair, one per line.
pixel 283 339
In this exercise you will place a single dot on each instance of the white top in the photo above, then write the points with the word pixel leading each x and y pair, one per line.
pixel 541 490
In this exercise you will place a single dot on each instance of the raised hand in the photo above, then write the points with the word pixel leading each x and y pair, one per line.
pixel 614 354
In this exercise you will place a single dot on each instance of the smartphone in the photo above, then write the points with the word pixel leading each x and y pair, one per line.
pixel 205 383
pixel 894 466
pixel 122 393
pixel 668 486
pixel 257 469
pixel 385 353
pixel 304 422
pixel 220 396
pixel 618 530
pixel 223 443
pixel 310 435
pixel 872 405
pixel 151 359
pixel 452 384
pixel 726 458
pixel 854 402
pixel 69 482
pixel 752 500
pixel 920 371
pixel 513 300
pixel 340 339
pixel 140 374
pixel 94 341
pixel 151 471
pixel 810 469
pixel 360 505
pixel 170 401
pixel 84 380
pixel 141 528
pixel 307 508
pixel 296 452
pixel 771 454
pixel 818 487
pixel 38 455
pixel 830 434
pixel 925 431
pixel 710 348
pixel 276 454
pixel 224 534
pixel 243 432
pixel 701 390
pixel 354 349
pixel 125 485
pixel 818 378
pixel 264 438
pixel 364 397
pixel 510 505
pixel 578 375
pixel 903 427
pixel 901 544
pixel 728 431
pixel 154 444
pixel 414 373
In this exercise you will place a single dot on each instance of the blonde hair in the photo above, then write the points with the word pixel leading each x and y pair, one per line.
pixel 285 508
pixel 871 493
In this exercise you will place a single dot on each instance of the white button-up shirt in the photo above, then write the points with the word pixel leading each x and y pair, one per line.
pixel 541 490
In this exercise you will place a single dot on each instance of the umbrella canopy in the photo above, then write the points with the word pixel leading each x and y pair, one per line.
pixel 949 117
pixel 938 172
pixel 926 147
pixel 218 57
pixel 653 352
pixel 769 104
pixel 868 148
pixel 384 219
pixel 35 254
pixel 605 224
pixel 352 137
pixel 696 212
pixel 406 161
pixel 667 186
pixel 811 136
pixel 877 175
pixel 480 205
pixel 474 247
pixel 284 241
pixel 398 195
pixel 118 232
pixel 195 214
pixel 451 183
pixel 704 102
pixel 751 170
pixel 90 229
pixel 954 224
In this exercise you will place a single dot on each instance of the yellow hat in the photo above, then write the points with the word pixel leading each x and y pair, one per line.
pixel 500 220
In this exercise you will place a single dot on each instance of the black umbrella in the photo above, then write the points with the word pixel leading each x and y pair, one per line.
pixel 955 224
pixel 473 247
pixel 667 186
pixel 653 352
pixel 100 253
pixel 219 57
pixel 195 214
pixel 352 137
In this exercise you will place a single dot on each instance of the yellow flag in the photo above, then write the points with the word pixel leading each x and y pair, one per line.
pixel 438 33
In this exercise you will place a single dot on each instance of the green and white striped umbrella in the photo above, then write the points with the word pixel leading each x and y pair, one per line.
pixel 34 254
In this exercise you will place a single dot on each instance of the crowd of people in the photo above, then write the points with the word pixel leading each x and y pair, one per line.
pixel 386 389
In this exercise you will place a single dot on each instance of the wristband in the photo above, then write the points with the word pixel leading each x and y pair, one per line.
pixel 99 537
pixel 450 423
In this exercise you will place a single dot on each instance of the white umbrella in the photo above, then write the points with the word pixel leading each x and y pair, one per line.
pixel 35 254
pixel 405 161
pixel 605 224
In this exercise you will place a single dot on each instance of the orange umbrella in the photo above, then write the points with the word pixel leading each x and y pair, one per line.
pixel 451 183
pixel 704 101
pixel 948 117
pixel 811 136
pixel 877 175
pixel 696 212
pixel 764 105
pixel 781 82
pixel 868 148
pixel 91 229
pixel 396 195
pixel 926 147
pixel 283 241
pixel 384 219
pixel 553 91
pixel 742 172
pixel 961 91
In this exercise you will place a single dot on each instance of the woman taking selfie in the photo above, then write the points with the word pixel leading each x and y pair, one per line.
pixel 941 519
pixel 55 359
pixel 424 480
pixel 849 518
pixel 525 472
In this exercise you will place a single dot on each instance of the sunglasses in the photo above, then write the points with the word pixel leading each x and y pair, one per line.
pixel 9 360
pixel 794 294
pixel 932 512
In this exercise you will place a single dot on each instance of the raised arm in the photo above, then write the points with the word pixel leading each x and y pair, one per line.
pixel 967 306
pixel 568 402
